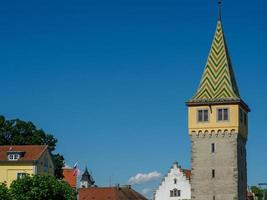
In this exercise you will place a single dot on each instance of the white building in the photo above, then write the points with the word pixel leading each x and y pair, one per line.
pixel 175 186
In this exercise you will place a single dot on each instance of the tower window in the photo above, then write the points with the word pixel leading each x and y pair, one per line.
pixel 223 114
pixel 203 115
pixel 245 118
pixel 175 181
pixel 213 148
pixel 213 173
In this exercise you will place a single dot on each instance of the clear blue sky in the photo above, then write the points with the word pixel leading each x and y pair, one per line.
pixel 109 78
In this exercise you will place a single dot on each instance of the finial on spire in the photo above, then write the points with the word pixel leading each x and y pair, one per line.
pixel 220 10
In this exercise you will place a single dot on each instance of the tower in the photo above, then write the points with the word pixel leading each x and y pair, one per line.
pixel 218 128
pixel 87 180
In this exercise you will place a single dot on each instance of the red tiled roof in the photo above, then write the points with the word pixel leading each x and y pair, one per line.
pixel 30 152
pixel 187 173
pixel 70 177
pixel 111 193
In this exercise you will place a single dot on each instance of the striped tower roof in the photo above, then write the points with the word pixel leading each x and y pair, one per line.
pixel 218 80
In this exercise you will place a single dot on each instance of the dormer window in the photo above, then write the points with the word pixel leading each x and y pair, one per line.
pixel 13 156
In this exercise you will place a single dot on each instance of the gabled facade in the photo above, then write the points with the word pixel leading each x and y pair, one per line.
pixel 17 161
pixel 175 186
pixel 218 128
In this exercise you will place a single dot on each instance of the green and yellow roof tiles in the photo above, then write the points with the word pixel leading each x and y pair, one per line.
pixel 218 81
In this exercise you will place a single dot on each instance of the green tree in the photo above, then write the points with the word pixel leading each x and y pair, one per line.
pixel 265 194
pixel 41 187
pixel 4 192
pixel 18 132
pixel 258 192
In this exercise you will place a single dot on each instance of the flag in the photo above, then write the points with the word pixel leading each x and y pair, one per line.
pixel 75 169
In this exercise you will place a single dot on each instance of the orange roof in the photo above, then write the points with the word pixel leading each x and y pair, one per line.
pixel 109 193
pixel 30 152
pixel 70 177
pixel 187 173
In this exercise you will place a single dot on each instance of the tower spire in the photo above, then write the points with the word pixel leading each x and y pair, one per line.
pixel 219 10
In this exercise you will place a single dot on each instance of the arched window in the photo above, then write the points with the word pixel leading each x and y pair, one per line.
pixel 175 181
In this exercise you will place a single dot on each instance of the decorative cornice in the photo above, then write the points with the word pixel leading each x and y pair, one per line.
pixel 208 102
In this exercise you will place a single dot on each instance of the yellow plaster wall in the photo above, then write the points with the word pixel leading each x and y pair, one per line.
pixel 8 172
pixel 213 124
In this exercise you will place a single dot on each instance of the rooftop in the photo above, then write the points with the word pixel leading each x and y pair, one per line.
pixel 30 152
pixel 110 193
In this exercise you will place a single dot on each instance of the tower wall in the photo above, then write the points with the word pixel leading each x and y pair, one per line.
pixel 228 183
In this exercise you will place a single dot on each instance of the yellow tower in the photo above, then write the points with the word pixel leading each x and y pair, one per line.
pixel 218 128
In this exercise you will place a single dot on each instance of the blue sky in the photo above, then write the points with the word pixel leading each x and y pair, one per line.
pixel 109 78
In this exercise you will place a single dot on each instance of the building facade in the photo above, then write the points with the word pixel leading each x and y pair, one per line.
pixel 218 128
pixel 176 185
pixel 17 161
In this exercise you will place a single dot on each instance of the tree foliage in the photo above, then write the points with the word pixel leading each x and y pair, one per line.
pixel 40 187
pixel 4 194
pixel 18 132
pixel 261 194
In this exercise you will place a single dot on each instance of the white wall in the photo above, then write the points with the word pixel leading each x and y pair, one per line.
pixel 163 192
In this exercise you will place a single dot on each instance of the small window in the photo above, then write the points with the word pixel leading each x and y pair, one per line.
pixel 13 156
pixel 203 115
pixel 213 173
pixel 178 193
pixel 245 118
pixel 20 175
pixel 175 181
pixel 213 148
pixel 213 197
pixel 171 193
pixel 223 114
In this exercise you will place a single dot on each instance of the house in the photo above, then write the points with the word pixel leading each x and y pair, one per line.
pixel 175 185
pixel 17 161
pixel 110 193
pixel 70 176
